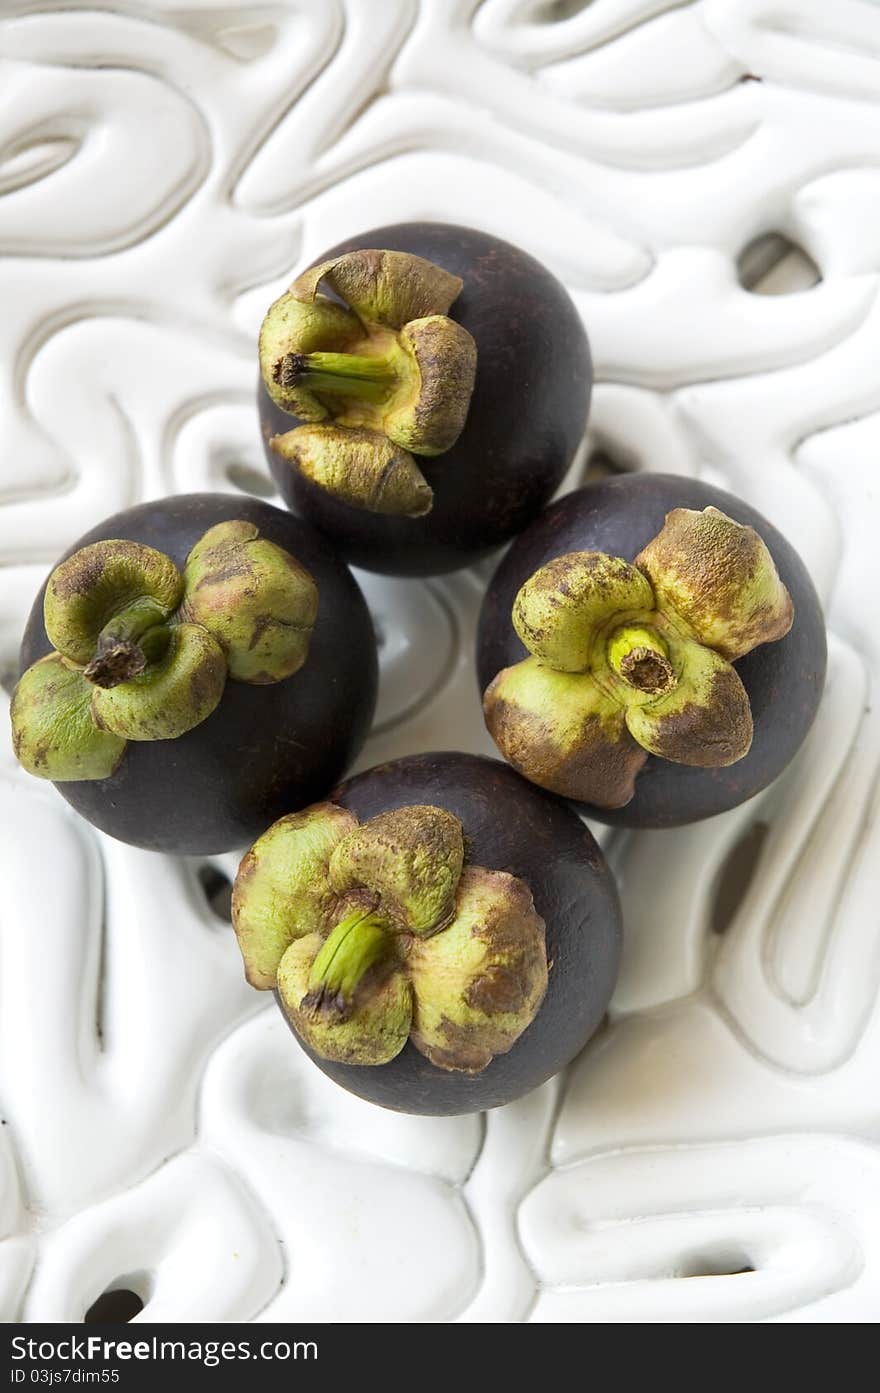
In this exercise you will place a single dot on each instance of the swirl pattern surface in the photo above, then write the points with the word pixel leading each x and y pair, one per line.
pixel 705 177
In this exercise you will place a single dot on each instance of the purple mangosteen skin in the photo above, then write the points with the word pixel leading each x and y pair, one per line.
pixel 526 417
pixel 509 825
pixel 784 680
pixel 265 750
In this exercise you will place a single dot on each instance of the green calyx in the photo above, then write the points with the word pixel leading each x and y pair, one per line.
pixel 378 933
pixel 631 660
pixel 719 579
pixel 379 380
pixel 282 892
pixel 138 635
pixel 143 652
pixel 359 943
pixel 410 860
pixel 359 467
pixel 170 696
pixel 88 595
pixel 53 733
pixel 373 1026
pixel 256 600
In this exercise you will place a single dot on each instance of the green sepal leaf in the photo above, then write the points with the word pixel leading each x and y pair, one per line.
pixel 282 890
pixel 430 421
pixel 383 287
pixel 360 467
pixel 719 577
pixel 292 326
pixel 53 733
pixel 170 696
pixel 560 611
pixel 255 598
pixel 97 583
pixel 407 861
pixel 480 982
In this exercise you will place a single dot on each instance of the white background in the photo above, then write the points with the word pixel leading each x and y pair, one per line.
pixel 163 170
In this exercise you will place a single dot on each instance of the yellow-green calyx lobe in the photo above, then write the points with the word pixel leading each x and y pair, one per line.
pixel 377 933
pixel 384 377
pixel 254 598
pixel 358 466
pixel 53 733
pixel 143 652
pixel 628 660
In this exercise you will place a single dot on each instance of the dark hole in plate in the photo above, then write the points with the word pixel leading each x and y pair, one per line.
pixel 735 876
pixel 722 1264
pixel 217 889
pixel 116 1307
pixel 774 265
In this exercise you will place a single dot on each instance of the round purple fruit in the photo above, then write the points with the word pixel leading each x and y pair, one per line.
pixel 651 648
pixel 192 668
pixel 441 936
pixel 424 388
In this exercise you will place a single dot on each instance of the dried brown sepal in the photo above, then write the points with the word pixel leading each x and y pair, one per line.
pixel 720 578
pixel 563 733
pixel 706 721
pixel 408 861
pixel 480 983
pixel 446 357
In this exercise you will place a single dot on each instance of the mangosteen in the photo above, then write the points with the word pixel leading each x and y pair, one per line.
pixel 651 648
pixel 192 668
pixel 424 388
pixel 441 935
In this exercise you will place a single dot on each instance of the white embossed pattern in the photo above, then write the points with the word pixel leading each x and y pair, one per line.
pixel 713 1153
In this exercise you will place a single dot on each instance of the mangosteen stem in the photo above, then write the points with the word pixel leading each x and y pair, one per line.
pixel 134 637
pixel 640 657
pixel 358 943
pixel 347 374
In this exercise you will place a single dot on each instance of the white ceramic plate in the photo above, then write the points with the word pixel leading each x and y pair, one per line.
pixel 713 1154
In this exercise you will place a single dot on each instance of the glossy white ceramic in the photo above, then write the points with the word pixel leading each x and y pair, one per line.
pixel 713 1155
